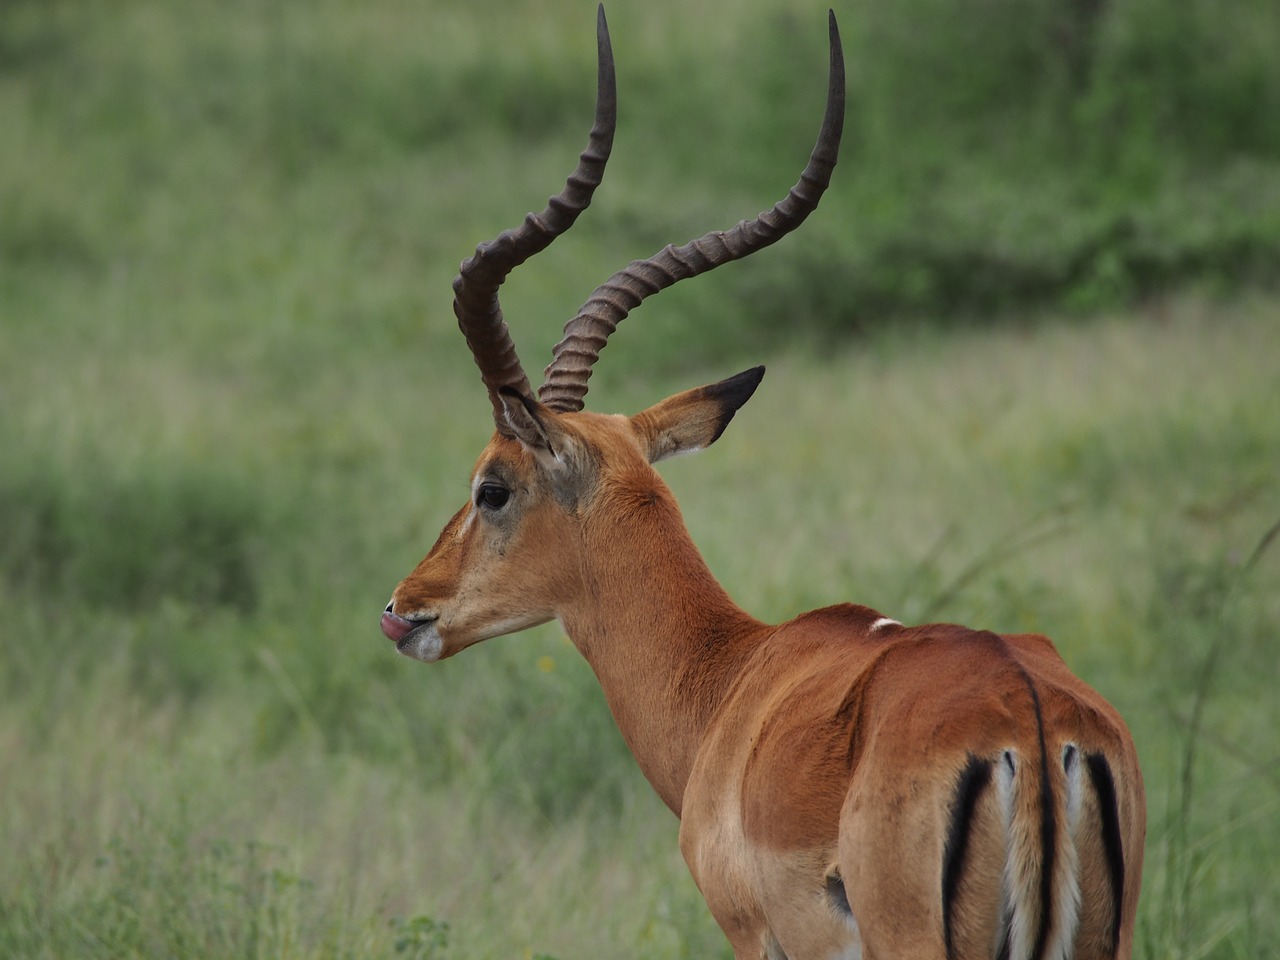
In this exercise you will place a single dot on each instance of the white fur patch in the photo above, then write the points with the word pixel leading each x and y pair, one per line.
pixel 853 950
pixel 1071 764
pixel 1022 862
pixel 1066 887
pixel 885 622
pixel 471 518
pixel 1006 769
pixel 426 644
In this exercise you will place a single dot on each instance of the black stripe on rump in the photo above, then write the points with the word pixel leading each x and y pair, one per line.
pixel 1048 827
pixel 1105 787
pixel 974 778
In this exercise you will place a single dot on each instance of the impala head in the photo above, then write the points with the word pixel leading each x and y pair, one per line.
pixel 514 556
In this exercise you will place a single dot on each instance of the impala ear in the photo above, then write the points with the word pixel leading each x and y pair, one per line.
pixel 535 426
pixel 695 418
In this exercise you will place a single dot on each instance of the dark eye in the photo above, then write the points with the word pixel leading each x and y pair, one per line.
pixel 492 495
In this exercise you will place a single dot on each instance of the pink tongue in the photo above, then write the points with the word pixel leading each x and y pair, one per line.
pixel 396 628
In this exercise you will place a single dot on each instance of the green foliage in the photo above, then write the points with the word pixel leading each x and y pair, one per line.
pixel 1018 153
pixel 1214 608
pixel 221 899
pixel 421 938
pixel 130 542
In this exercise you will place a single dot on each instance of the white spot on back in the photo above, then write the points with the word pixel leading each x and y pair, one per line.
pixel 885 622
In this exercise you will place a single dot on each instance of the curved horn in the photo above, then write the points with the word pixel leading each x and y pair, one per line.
pixel 475 289
pixel 586 334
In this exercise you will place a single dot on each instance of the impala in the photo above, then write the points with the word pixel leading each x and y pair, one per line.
pixel 847 786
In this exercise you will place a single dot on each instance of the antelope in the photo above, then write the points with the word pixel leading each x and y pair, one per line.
pixel 846 785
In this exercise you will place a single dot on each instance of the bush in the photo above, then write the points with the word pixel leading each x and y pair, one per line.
pixel 86 537
pixel 1016 155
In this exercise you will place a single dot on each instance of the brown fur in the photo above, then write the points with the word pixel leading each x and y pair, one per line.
pixel 796 753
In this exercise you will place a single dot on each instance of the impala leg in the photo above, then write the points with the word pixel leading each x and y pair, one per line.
pixel 805 907
pixel 715 851
pixel 779 906
pixel 746 933
pixel 890 845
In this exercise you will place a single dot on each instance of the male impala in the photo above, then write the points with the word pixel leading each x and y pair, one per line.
pixel 847 786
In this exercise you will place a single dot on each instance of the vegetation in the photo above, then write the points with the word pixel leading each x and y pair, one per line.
pixel 236 410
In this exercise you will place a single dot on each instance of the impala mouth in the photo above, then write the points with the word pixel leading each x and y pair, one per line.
pixel 415 637
pixel 403 630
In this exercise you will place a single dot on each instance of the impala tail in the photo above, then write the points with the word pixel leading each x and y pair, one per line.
pixel 1037 836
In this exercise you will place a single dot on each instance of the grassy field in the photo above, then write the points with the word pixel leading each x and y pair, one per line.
pixel 235 410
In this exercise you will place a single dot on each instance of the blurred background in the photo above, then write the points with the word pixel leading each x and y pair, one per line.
pixel 1024 373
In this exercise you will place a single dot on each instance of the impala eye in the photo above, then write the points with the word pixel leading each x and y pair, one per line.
pixel 494 496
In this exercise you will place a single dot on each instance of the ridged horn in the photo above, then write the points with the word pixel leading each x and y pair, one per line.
pixel 475 290
pixel 565 382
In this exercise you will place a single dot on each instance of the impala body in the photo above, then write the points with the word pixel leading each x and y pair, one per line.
pixel 846 786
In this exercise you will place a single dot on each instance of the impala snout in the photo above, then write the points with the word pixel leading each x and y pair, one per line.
pixel 395 626
pixel 416 636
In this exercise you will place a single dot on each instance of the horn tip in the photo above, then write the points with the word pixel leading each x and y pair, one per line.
pixel 833 29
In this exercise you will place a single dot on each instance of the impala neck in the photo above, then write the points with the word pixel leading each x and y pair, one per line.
pixel 661 634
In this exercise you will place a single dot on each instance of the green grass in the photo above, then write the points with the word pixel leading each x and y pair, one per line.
pixel 185 775
pixel 235 410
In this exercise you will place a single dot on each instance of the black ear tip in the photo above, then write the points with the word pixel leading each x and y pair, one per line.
pixel 748 379
pixel 737 390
